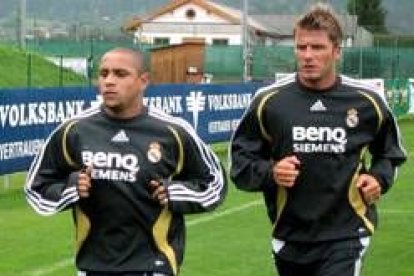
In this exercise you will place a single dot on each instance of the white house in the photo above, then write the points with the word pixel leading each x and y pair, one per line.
pixel 217 24
pixel 181 20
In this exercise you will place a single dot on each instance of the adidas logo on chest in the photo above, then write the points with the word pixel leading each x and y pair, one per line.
pixel 318 106
pixel 120 137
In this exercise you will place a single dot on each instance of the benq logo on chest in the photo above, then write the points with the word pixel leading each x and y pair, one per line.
pixel 319 139
pixel 112 165
pixel 319 134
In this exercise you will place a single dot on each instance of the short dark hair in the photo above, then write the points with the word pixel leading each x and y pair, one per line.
pixel 135 54
pixel 321 17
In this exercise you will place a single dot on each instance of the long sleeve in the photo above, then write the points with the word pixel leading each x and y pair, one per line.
pixel 200 183
pixel 51 181
pixel 250 152
pixel 387 151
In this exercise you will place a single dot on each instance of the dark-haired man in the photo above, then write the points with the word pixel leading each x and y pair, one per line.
pixel 129 173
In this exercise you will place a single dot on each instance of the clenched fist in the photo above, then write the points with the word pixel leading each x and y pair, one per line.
pixel 84 182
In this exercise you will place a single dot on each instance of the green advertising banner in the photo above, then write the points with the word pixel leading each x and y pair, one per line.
pixel 398 95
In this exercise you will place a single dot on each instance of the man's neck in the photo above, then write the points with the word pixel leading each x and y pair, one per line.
pixel 318 84
pixel 124 113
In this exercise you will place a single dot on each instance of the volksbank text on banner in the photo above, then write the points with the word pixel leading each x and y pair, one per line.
pixel 27 117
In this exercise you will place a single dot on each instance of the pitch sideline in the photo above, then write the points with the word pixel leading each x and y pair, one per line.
pixel 213 216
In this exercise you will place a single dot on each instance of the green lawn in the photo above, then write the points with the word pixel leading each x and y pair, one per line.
pixel 232 241
pixel 22 69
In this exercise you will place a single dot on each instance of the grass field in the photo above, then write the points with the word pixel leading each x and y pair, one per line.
pixel 15 71
pixel 232 241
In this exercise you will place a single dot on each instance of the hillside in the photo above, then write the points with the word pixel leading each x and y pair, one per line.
pixel 14 73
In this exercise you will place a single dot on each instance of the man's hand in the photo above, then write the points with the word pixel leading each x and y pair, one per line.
pixel 159 192
pixel 369 187
pixel 286 170
pixel 84 182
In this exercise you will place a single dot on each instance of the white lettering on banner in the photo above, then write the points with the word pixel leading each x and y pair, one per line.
pixel 195 103
pixel 168 104
pixel 229 101
pixel 38 113
pixel 223 126
pixel 20 149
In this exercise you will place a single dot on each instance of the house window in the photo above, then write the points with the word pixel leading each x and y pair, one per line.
pixel 221 41
pixel 161 41
pixel 190 14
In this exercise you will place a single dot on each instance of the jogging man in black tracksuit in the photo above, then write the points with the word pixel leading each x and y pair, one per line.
pixel 129 173
pixel 305 142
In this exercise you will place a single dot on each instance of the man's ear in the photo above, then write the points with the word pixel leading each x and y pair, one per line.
pixel 145 75
pixel 145 78
pixel 338 52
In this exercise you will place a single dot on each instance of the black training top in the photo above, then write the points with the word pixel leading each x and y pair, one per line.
pixel 336 134
pixel 120 228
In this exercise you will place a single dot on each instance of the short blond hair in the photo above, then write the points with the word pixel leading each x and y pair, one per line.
pixel 321 17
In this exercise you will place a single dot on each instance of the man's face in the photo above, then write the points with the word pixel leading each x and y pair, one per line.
pixel 121 83
pixel 316 56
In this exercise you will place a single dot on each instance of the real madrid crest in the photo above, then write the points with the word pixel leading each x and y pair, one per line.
pixel 154 152
pixel 352 119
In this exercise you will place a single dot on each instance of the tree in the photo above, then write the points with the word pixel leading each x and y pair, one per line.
pixel 371 14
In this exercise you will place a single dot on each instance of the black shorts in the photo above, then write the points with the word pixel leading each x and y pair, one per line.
pixel 333 258
pixel 83 273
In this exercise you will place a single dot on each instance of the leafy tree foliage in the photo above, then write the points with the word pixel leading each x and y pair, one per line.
pixel 371 14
